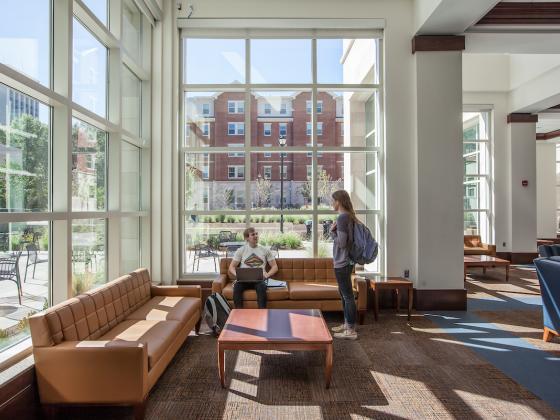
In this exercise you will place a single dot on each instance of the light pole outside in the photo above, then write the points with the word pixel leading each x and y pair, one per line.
pixel 282 143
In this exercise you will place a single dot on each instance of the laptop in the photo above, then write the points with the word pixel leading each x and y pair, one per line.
pixel 249 274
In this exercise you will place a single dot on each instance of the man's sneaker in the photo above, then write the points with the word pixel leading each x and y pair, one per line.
pixel 339 328
pixel 346 335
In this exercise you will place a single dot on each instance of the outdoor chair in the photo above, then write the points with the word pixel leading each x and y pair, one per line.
pixel 275 249
pixel 9 270
pixel 230 250
pixel 32 259
pixel 227 236
pixel 204 251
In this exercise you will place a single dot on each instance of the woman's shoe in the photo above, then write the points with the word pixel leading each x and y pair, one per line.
pixel 339 328
pixel 347 335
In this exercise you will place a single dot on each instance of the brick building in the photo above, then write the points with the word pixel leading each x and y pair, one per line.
pixel 219 121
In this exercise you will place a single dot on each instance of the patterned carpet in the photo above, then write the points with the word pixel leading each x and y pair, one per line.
pixel 395 370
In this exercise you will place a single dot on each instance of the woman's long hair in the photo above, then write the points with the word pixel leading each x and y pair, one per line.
pixel 343 199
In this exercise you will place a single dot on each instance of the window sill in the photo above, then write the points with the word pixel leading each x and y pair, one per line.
pixel 15 354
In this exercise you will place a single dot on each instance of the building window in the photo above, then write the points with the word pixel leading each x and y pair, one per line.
pixel 267 154
pixel 284 173
pixel 236 154
pixel 236 129
pixel 309 171
pixel 476 169
pixel 236 107
pixel 206 129
pixel 319 128
pixel 204 169
pixel 267 172
pixel 236 172
pixel 205 109
pixel 283 129
pixel 309 154
pixel 319 107
pixel 308 128
pixel 267 108
pixel 267 129
pixel 319 154
pixel 283 108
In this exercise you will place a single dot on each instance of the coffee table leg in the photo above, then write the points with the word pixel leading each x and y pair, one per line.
pixel 376 304
pixel 398 299
pixel 410 292
pixel 328 365
pixel 221 366
pixel 507 273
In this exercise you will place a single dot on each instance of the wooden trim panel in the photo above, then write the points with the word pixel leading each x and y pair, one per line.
pixel 522 118
pixel 523 13
pixel 438 43
pixel 549 135
pixel 440 300
pixel 518 257
pixel 19 398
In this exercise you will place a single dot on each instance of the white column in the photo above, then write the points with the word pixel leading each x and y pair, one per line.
pixel 546 190
pixel 439 179
pixel 522 149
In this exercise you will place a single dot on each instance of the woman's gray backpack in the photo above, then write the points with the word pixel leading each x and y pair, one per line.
pixel 363 248
pixel 216 312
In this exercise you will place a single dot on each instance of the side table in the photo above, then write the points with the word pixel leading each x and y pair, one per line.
pixel 390 283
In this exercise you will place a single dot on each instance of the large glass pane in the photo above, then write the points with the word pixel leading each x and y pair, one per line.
pixel 25 38
pixel 209 238
pixel 348 119
pixel 24 152
pixel 89 71
pixel 280 61
pixel 98 8
pixel 88 167
pixel 132 30
pixel 130 244
pixel 214 181
pixel 357 173
pixel 88 254
pixel 475 158
pixel 476 125
pixel 347 61
pixel 130 177
pixel 214 60
pixel 287 236
pixel 214 119
pixel 472 223
pixel 24 259
pixel 131 102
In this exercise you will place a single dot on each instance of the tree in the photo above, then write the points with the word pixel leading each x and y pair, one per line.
pixel 325 187
pixel 263 191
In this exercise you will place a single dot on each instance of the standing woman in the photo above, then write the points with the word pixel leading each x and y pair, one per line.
pixel 341 233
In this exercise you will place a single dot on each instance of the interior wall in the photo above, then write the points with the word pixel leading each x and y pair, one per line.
pixel 546 190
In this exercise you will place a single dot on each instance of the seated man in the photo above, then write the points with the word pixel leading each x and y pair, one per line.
pixel 252 255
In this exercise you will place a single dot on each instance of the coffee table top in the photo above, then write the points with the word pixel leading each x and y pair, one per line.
pixel 483 259
pixel 275 326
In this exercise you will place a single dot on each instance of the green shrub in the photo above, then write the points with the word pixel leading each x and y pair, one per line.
pixel 230 219
pixel 322 250
pixel 82 282
pixel 289 219
pixel 221 218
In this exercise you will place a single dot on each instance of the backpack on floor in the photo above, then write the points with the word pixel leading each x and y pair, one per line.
pixel 364 248
pixel 216 312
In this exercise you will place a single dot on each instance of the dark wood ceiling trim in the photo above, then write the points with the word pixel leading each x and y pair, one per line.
pixel 524 13
pixel 555 107
pixel 522 118
pixel 438 43
pixel 549 135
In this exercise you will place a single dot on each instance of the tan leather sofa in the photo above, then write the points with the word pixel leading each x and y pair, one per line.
pixel 474 246
pixel 111 344
pixel 311 284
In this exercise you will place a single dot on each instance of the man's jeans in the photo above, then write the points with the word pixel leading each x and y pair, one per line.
pixel 344 280
pixel 240 287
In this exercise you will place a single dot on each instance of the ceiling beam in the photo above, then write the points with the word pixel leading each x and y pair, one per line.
pixel 523 13
pixel 549 135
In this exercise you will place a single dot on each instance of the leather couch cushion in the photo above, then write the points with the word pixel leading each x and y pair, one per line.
pixel 472 241
pixel 314 291
pixel 272 293
pixel 164 308
pixel 475 251
pixel 157 335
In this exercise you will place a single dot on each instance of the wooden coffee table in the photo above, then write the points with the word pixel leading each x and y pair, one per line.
pixel 275 329
pixel 484 261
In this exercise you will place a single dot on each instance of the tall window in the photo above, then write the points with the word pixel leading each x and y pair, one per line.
pixel 558 188
pixel 477 173
pixel 61 196
pixel 263 179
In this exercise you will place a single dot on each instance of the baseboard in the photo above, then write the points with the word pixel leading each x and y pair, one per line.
pixel 440 299
pixel 19 398
pixel 518 257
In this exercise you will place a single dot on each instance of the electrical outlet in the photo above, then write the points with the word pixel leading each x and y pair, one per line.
pixel 406 273
pixel 503 244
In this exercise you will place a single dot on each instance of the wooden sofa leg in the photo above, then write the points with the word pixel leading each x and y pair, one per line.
pixel 361 316
pixel 140 410
pixel 197 326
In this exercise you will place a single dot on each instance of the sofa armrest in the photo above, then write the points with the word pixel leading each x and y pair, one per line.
pixel 492 249
pixel 361 285
pixel 219 284
pixel 185 291
pixel 92 372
